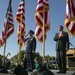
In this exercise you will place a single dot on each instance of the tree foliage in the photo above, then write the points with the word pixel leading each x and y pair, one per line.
pixel 36 55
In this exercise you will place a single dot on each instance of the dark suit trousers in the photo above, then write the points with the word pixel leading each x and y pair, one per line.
pixel 61 60
pixel 30 60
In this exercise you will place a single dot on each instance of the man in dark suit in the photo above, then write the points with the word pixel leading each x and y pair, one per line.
pixel 30 49
pixel 62 45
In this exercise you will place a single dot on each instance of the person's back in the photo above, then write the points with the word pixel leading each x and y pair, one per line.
pixel 0 61
pixel 19 70
pixel 7 64
pixel 43 71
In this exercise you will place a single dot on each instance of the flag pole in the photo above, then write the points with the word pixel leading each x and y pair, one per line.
pixel 19 56
pixel 43 46
pixel 9 2
pixel 4 53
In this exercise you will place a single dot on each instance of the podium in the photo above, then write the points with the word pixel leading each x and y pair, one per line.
pixel 70 58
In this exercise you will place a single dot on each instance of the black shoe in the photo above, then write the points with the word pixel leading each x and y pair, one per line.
pixel 59 72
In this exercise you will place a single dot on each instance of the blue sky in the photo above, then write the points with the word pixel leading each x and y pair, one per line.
pixel 56 15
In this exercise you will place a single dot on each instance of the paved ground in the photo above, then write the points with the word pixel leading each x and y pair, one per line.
pixel 68 72
pixel 54 71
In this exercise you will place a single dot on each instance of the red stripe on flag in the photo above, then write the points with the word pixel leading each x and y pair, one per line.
pixel 70 17
pixel 41 16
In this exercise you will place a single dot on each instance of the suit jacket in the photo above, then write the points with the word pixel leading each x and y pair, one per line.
pixel 62 42
pixel 31 44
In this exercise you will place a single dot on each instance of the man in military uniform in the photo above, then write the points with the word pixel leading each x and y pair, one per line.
pixel 30 49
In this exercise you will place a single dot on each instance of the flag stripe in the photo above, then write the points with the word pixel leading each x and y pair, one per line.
pixel 41 16
pixel 20 18
pixel 70 17
pixel 8 28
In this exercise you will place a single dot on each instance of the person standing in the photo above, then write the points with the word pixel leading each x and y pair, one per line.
pixel 62 45
pixel 30 49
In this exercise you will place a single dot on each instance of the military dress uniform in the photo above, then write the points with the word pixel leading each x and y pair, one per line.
pixel 30 48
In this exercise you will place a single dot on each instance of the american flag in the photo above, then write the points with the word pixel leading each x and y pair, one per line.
pixel 70 17
pixel 20 18
pixel 8 28
pixel 42 13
